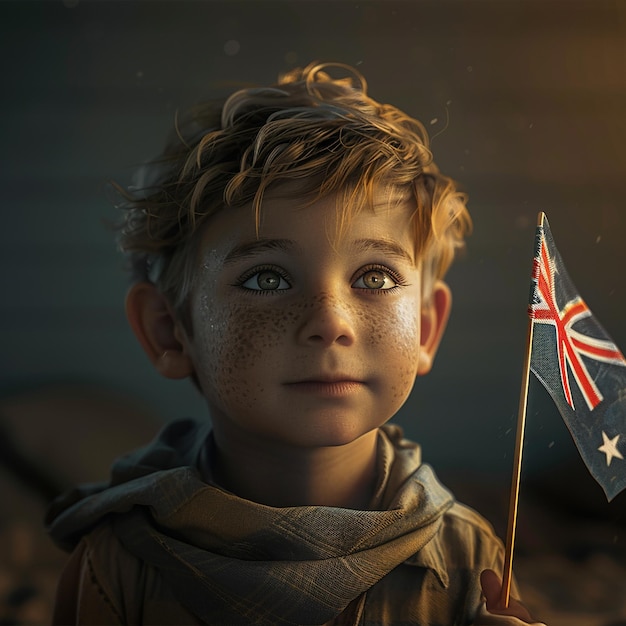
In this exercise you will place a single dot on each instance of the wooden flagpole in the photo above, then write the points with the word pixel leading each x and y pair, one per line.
pixel 507 571
pixel 515 481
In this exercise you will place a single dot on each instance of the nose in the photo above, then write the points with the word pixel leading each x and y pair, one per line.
pixel 327 321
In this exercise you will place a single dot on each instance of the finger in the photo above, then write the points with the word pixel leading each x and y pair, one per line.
pixel 491 587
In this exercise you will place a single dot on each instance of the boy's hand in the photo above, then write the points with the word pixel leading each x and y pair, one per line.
pixel 492 586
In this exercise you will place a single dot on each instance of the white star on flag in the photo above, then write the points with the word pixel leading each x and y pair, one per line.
pixel 609 447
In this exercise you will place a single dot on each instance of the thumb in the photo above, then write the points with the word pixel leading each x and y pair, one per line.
pixel 492 588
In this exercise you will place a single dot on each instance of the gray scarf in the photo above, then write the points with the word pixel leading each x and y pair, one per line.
pixel 232 561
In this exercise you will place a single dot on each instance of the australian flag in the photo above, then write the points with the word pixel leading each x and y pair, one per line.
pixel 579 365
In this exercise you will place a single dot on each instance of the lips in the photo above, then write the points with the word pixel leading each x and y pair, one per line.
pixel 329 386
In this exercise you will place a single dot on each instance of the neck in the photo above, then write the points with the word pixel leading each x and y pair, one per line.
pixel 284 476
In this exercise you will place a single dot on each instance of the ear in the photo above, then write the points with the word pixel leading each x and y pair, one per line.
pixel 158 331
pixel 434 317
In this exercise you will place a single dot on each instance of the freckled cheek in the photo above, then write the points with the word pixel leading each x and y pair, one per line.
pixel 235 347
pixel 407 322
pixel 397 328
pixel 395 338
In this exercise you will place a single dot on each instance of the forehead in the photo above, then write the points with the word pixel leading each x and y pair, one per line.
pixel 287 212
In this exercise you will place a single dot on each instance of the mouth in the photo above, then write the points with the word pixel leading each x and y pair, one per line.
pixel 335 386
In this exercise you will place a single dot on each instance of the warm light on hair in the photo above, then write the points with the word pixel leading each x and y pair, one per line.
pixel 324 133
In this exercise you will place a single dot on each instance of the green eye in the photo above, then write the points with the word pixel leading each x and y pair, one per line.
pixel 267 280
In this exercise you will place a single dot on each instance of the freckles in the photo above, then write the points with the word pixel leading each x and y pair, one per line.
pixel 250 333
pixel 394 334
pixel 397 327
pixel 237 339
pixel 406 378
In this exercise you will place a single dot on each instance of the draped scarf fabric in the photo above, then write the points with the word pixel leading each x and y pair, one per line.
pixel 233 561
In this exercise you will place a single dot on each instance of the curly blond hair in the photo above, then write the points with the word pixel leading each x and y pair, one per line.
pixel 325 133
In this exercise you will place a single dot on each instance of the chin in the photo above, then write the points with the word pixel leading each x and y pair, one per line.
pixel 336 432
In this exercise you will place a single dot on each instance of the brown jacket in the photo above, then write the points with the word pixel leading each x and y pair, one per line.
pixel 162 546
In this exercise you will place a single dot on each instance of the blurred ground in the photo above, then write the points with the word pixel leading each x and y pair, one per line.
pixel 52 437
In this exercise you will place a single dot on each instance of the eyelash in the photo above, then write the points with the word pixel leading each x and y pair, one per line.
pixel 258 270
pixel 397 279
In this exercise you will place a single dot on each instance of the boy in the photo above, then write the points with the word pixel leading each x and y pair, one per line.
pixel 288 251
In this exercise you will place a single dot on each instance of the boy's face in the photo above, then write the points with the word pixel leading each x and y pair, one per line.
pixel 300 338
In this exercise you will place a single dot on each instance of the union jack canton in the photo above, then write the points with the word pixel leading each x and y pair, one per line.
pixel 577 362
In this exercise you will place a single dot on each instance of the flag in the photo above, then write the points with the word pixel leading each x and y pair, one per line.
pixel 577 362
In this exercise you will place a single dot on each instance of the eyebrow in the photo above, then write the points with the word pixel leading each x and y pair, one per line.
pixel 250 249
pixel 386 246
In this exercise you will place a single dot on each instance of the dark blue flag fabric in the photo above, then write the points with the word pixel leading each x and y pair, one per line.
pixel 579 365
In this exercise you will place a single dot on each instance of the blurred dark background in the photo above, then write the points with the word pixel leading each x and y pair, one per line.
pixel 525 101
